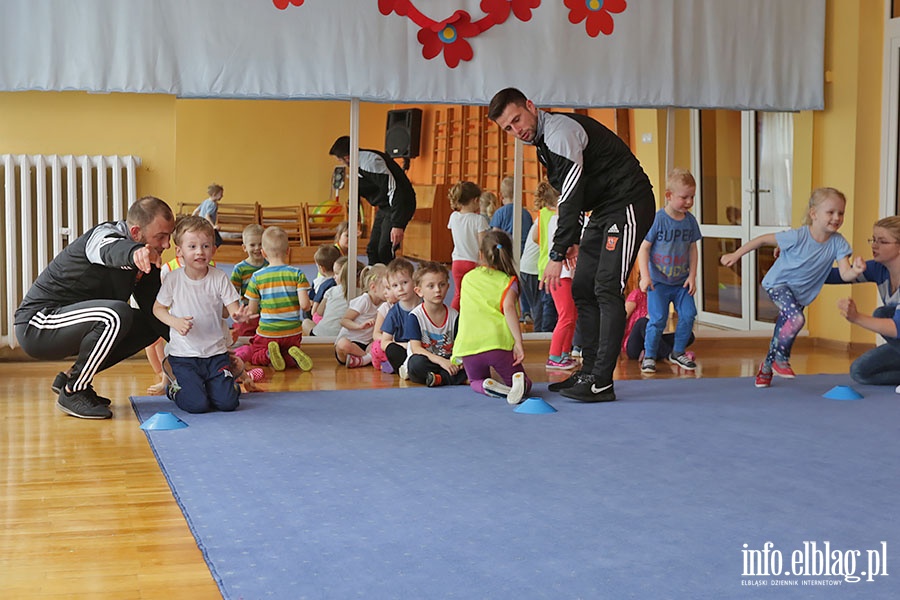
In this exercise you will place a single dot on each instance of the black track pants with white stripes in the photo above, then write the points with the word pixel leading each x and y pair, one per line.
pixel 100 332
pixel 607 252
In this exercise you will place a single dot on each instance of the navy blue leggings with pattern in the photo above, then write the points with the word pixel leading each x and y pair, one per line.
pixel 787 327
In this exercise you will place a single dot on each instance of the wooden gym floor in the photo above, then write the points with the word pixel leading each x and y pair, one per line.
pixel 86 512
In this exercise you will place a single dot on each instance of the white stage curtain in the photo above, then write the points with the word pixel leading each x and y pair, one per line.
pixel 764 54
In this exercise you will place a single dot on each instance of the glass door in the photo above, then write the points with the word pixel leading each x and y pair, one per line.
pixel 743 163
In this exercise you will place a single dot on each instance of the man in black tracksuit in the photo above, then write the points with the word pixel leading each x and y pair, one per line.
pixel 385 185
pixel 79 303
pixel 594 171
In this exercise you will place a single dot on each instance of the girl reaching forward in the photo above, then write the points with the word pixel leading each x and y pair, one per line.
pixel 805 260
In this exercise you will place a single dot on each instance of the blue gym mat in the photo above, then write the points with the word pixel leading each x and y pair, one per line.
pixel 688 488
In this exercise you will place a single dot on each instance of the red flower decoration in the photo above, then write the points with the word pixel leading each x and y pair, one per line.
pixel 522 8
pixel 283 4
pixel 597 13
pixel 449 36
pixel 388 6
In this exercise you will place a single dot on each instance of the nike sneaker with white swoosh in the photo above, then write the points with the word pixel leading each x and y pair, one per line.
pixel 586 390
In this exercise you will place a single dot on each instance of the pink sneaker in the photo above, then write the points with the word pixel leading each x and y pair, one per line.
pixel 565 364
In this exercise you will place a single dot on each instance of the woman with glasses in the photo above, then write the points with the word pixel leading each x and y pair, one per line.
pixel 880 366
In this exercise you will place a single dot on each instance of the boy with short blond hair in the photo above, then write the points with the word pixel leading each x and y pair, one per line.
pixel 668 260
pixel 432 327
pixel 278 293
pixel 190 302
pixel 240 275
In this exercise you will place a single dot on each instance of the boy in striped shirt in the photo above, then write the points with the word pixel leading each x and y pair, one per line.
pixel 278 293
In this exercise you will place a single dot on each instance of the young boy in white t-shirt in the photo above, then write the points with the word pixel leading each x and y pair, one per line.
pixel 190 302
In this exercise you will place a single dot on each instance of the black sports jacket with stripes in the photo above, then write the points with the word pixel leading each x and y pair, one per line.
pixel 591 167
pixel 384 184
pixel 96 266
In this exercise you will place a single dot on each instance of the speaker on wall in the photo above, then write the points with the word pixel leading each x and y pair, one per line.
pixel 403 132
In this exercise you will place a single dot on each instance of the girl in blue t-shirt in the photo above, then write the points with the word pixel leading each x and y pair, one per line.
pixel 805 260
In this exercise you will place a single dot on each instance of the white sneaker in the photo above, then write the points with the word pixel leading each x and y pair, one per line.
pixel 403 372
pixel 517 391
pixel 897 390
pixel 495 389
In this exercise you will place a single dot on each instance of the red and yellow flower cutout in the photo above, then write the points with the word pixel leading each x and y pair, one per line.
pixel 450 36
pixel 597 13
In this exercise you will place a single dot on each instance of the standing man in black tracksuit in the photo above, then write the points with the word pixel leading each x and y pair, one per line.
pixel 384 184
pixel 79 303
pixel 594 172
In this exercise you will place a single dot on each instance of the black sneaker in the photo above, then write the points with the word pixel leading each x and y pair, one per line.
pixel 59 382
pixel 565 383
pixel 97 397
pixel 433 379
pixel 82 405
pixel 684 361
pixel 586 390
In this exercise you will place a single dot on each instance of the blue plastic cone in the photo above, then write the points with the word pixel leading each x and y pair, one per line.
pixel 163 421
pixel 534 406
pixel 842 392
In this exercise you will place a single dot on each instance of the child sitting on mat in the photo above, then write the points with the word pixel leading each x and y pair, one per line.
pixel 432 327
pixel 278 293
pixel 353 345
pixel 190 302
pixel 324 257
pixel 327 315
pixel 379 358
pixel 251 237
pixel 395 335
pixel 489 332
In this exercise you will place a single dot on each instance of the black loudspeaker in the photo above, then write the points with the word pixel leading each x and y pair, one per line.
pixel 403 133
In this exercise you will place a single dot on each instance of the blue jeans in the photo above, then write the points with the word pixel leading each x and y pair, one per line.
pixel 880 366
pixel 658 300
pixel 528 291
pixel 203 384
pixel 547 310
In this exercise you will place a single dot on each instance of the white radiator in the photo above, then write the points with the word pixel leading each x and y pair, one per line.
pixel 46 201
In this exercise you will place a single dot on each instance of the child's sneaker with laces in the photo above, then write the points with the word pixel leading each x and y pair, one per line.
pixel 433 379
pixel 353 361
pixel 648 365
pixel 683 361
pixel 782 368
pixel 763 376
pixel 564 364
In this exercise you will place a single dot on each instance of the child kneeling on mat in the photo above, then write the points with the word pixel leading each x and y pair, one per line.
pixel 489 331
pixel 278 293
pixel 190 302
